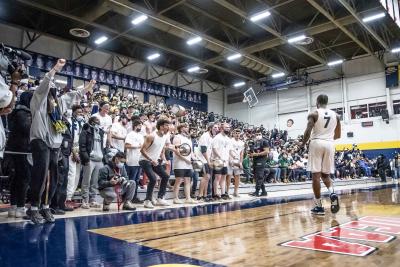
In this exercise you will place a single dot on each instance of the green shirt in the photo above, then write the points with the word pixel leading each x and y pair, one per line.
pixel 284 162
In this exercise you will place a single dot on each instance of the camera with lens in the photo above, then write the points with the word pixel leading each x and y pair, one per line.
pixel 250 146
pixel 11 60
pixel 121 180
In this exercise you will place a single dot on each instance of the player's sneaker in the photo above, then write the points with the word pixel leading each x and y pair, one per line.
pixel 334 203
pixel 318 210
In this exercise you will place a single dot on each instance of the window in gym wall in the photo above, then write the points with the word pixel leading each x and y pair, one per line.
pixel 359 112
pixel 340 112
pixel 396 106
pixel 375 109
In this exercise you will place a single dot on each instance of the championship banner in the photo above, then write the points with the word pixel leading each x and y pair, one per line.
pixel 392 76
pixel 105 77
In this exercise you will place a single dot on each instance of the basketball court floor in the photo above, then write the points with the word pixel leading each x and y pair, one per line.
pixel 272 231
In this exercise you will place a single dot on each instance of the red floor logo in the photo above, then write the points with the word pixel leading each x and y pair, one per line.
pixel 371 228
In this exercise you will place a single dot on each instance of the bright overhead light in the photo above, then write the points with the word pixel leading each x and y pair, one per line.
pixel 336 62
pixel 61 82
pixel 80 87
pixel 396 50
pixel 259 16
pixel 194 40
pixel 238 84
pixel 193 69
pixel 374 17
pixel 101 40
pixel 235 56
pixel 297 39
pixel 139 19
pixel 153 56
pixel 278 75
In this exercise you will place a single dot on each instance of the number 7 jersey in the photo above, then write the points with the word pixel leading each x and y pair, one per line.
pixel 324 128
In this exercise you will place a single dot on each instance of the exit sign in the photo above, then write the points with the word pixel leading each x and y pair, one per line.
pixel 367 123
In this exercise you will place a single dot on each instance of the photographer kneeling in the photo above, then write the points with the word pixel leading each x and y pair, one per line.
pixel 114 183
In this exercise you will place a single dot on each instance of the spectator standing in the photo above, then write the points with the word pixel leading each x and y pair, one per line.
pixel 91 152
pixel 133 143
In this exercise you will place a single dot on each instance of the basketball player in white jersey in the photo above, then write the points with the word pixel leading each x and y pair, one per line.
pixel 152 154
pixel 323 127
pixel 182 165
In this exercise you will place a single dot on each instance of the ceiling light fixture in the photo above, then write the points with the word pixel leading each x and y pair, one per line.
pixel 101 40
pixel 139 19
pixel 297 38
pixel 396 50
pixel 153 56
pixel 278 75
pixel 234 56
pixel 194 40
pixel 260 16
pixel 239 84
pixel 336 62
pixel 374 17
pixel 193 69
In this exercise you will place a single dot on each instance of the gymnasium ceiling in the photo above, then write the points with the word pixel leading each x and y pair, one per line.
pixel 226 28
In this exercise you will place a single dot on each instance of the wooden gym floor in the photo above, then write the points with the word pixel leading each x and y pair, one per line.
pixel 247 233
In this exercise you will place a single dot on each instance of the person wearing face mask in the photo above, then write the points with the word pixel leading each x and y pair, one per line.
pixel 91 153
pixel 76 121
pixel 46 138
pixel 133 143
pixel 118 133
pixel 114 184
pixel 221 147
pixel 259 154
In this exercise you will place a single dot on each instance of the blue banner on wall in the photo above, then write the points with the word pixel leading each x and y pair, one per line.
pixel 174 95
pixel 392 76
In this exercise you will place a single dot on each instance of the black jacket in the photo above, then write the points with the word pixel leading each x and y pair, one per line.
pixel 86 141
pixel 19 124
pixel 106 173
pixel 383 163
pixel 66 145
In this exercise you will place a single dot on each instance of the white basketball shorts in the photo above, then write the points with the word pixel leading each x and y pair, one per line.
pixel 321 156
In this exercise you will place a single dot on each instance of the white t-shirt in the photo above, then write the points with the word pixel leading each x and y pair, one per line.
pixel 205 140
pixel 222 144
pixel 118 129
pixel 236 148
pixel 133 154
pixel 179 163
pixel 105 122
pixel 105 125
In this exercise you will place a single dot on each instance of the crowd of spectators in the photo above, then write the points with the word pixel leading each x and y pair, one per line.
pixel 80 164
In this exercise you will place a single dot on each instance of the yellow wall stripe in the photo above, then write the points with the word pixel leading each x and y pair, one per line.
pixel 371 146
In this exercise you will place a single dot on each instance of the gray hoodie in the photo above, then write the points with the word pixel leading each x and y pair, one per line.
pixel 41 124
